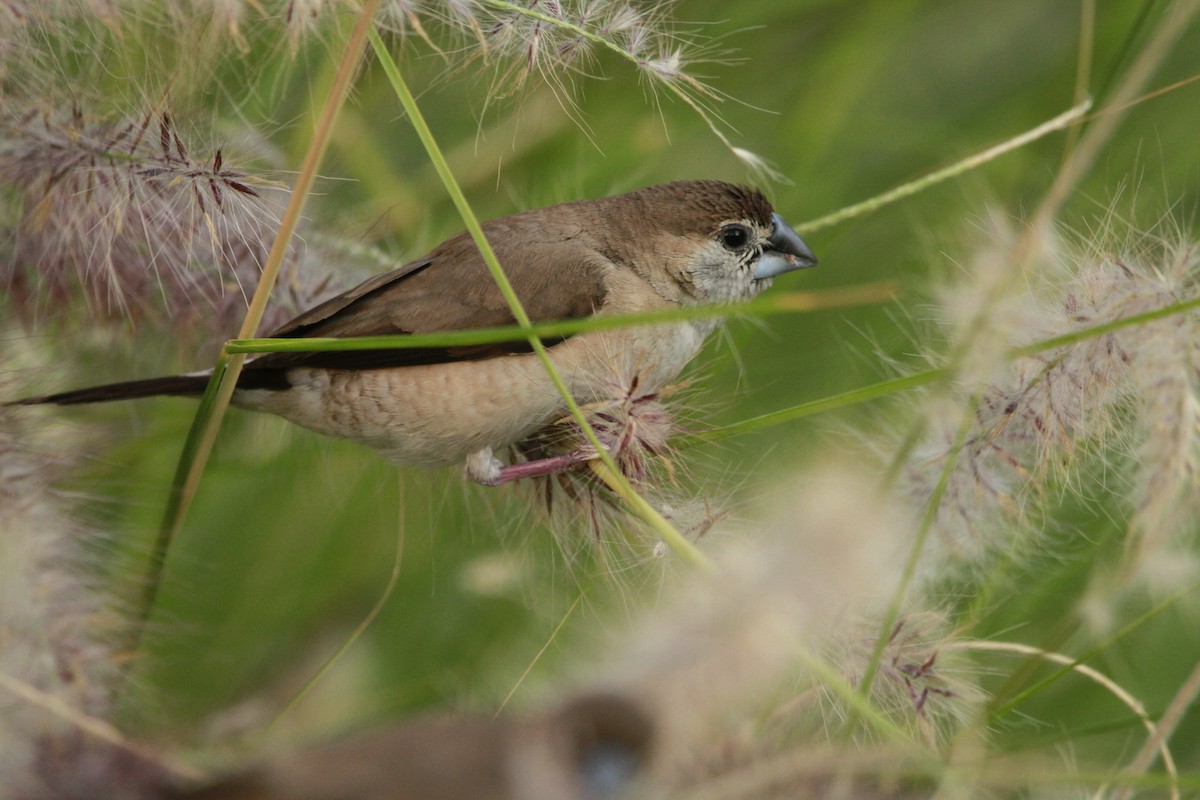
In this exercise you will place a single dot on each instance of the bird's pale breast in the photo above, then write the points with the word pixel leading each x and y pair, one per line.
pixel 436 415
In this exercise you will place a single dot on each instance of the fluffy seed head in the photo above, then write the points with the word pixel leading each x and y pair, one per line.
pixel 122 215
pixel 1025 422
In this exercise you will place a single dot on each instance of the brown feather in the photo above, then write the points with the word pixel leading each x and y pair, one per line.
pixel 557 259
pixel 187 385
pixel 554 273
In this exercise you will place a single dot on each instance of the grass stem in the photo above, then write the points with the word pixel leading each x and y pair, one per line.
pixel 207 422
pixel 614 477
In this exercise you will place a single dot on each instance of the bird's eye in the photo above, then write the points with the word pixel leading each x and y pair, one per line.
pixel 735 237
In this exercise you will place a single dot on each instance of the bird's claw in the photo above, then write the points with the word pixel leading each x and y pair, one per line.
pixel 483 467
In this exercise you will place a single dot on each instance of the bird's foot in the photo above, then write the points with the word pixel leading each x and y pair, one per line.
pixel 483 467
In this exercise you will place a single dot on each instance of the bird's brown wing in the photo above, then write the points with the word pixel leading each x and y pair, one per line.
pixel 450 289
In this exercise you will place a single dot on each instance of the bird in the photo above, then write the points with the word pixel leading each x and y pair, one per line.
pixel 681 244
pixel 594 746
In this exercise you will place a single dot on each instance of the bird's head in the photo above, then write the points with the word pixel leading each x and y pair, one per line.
pixel 714 242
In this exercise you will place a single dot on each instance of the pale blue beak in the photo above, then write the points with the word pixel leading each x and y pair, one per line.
pixel 786 252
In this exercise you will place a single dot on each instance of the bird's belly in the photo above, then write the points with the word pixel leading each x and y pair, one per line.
pixel 438 414
pixel 420 416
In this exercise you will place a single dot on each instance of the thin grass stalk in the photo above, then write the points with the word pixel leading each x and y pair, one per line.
pixel 832 681
pixel 676 540
pixel 751 425
pixel 791 301
pixel 679 543
pixel 183 488
pixel 99 729
pixel 821 405
pixel 1073 665
pixel 1134 33
pixel 207 421
pixel 681 94
pixel 1074 168
pixel 1080 160
pixel 767 305
pixel 1083 64
pixel 541 652
pixel 997 711
pixel 389 589
pixel 1063 120
pixel 1159 92
pixel 558 22
pixel 892 614
pixel 1075 337
pixel 1183 700
pixel 925 377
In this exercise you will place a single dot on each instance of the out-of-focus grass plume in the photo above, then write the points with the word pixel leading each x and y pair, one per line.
pixel 61 633
pixel 1031 421
pixel 119 216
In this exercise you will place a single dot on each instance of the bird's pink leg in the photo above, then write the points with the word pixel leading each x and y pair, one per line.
pixel 551 465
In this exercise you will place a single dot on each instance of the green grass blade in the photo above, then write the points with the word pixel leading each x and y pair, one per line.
pixel 852 397
pixel 1063 120
pixel 678 542
pixel 208 418
pixel 183 489
pixel 776 303
pixel 917 379
pixel 999 709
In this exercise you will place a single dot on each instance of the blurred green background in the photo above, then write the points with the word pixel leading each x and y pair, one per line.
pixel 292 539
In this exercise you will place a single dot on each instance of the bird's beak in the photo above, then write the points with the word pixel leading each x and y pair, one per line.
pixel 786 252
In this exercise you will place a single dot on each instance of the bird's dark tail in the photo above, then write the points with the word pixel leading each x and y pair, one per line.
pixel 188 385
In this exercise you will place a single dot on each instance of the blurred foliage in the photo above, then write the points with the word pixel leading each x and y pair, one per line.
pixel 292 538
